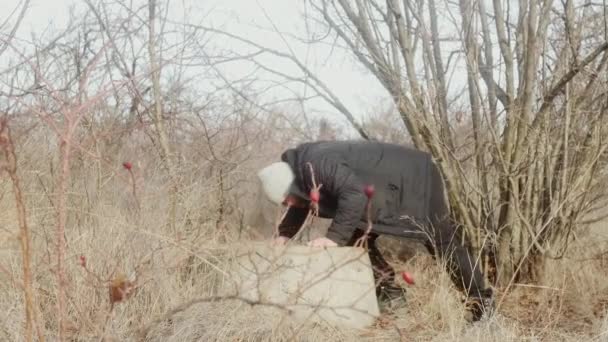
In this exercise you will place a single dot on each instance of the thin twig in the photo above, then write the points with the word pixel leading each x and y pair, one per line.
pixel 143 331
pixel 314 206
pixel 6 143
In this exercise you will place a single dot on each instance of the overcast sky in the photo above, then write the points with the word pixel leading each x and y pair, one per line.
pixel 253 19
pixel 356 87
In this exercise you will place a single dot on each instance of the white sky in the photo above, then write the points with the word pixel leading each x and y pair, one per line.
pixel 356 87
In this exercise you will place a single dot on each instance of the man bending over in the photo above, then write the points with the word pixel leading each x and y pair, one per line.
pixel 408 202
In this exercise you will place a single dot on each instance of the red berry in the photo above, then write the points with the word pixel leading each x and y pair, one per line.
pixel 127 165
pixel 407 277
pixel 369 191
pixel 314 196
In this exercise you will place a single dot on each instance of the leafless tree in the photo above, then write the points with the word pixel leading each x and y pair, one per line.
pixel 119 78
pixel 522 152
pixel 537 110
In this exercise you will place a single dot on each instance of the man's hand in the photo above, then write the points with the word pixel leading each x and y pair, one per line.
pixel 280 241
pixel 322 242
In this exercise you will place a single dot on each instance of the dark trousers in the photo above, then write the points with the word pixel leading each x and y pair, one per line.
pixel 463 268
pixel 384 274
pixel 442 239
pixel 446 243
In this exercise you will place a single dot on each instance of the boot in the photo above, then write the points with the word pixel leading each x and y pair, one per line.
pixel 481 305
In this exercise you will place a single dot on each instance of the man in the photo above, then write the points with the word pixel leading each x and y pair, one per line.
pixel 408 202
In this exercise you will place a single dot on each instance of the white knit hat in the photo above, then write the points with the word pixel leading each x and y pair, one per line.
pixel 276 179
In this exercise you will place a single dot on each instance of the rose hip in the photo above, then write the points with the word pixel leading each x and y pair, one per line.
pixel 369 191
pixel 314 196
pixel 407 277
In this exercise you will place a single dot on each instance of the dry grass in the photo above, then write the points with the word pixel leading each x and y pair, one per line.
pixel 121 236
pixel 107 228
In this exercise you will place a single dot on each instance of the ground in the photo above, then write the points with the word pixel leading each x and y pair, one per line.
pixel 176 277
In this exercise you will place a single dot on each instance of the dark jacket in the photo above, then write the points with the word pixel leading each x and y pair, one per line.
pixel 407 187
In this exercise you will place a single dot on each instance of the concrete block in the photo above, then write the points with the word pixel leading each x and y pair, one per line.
pixel 332 285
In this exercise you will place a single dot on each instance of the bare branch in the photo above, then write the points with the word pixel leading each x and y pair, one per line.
pixel 13 31
pixel 335 101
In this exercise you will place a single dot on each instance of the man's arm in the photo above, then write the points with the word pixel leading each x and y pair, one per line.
pixel 339 180
pixel 292 222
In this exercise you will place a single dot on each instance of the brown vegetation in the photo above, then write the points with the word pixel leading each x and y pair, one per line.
pixel 123 181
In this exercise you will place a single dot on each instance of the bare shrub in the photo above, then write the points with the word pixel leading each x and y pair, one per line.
pixel 520 180
pixel 128 177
